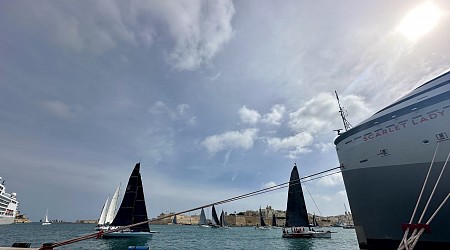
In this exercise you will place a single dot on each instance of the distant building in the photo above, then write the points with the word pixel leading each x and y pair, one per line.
pixel 87 221
pixel 21 218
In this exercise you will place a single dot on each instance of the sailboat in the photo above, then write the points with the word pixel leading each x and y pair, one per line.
pixel 46 221
pixel 348 225
pixel 215 220
pixel 297 225
pixel 132 210
pixel 202 222
pixel 174 220
pixel 101 220
pixel 109 211
pixel 262 223
pixel 223 221
pixel 274 221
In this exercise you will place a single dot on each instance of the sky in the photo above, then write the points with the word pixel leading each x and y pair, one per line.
pixel 214 98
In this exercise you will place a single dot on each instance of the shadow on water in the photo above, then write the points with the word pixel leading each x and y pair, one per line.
pixel 305 244
pixel 124 243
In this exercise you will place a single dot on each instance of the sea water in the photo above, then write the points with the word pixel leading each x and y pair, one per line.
pixel 175 237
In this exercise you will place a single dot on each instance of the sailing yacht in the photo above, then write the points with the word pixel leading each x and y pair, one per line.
pixel 297 224
pixel 262 223
pixel 46 221
pixel 174 220
pixel 274 221
pixel 102 219
pixel 223 221
pixel 109 211
pixel 215 220
pixel 203 222
pixel 132 210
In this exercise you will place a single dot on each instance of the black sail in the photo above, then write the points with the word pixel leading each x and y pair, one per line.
pixel 214 216
pixel 274 220
pixel 296 214
pixel 132 210
pixel 261 219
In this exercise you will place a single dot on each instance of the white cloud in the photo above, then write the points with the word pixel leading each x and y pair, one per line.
pixel 179 112
pixel 275 116
pixel 230 140
pixel 331 180
pixel 269 184
pixel 320 114
pixel 58 108
pixel 195 30
pixel 315 115
pixel 200 29
pixel 324 147
pixel 295 145
pixel 249 116
pixel 182 108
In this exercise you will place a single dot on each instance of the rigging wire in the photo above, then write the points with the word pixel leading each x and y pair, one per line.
pixel 313 200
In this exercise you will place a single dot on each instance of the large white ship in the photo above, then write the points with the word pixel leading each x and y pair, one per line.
pixel 8 205
pixel 385 160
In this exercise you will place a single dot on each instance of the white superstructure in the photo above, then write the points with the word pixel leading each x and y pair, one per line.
pixel 8 205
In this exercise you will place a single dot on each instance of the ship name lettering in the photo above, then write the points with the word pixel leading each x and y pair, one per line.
pixel 402 125
pixel 428 117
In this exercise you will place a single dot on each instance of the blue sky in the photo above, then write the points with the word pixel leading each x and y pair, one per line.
pixel 214 98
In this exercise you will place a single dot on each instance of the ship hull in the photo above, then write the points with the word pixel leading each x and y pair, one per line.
pixel 383 198
pixel 6 220
pixel 385 160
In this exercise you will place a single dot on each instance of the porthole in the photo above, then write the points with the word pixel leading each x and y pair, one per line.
pixel 425 141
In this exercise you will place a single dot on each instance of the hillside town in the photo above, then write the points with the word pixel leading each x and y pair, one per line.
pixel 250 218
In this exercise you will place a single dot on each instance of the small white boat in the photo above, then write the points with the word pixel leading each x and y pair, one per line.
pixel 46 221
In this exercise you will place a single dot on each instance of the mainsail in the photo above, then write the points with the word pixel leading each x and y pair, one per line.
pixel 174 220
pixel 202 218
pixel 274 220
pixel 261 219
pixel 102 219
pixel 223 221
pixel 315 223
pixel 296 213
pixel 215 219
pixel 132 210
pixel 112 207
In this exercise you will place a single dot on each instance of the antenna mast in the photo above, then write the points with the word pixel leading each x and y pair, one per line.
pixel 343 113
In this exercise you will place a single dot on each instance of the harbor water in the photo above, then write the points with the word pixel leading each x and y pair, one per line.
pixel 175 237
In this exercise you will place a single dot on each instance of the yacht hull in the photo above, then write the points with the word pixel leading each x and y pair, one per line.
pixel 128 235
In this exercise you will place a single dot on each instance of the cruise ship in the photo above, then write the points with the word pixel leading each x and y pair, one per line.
pixel 385 161
pixel 8 205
